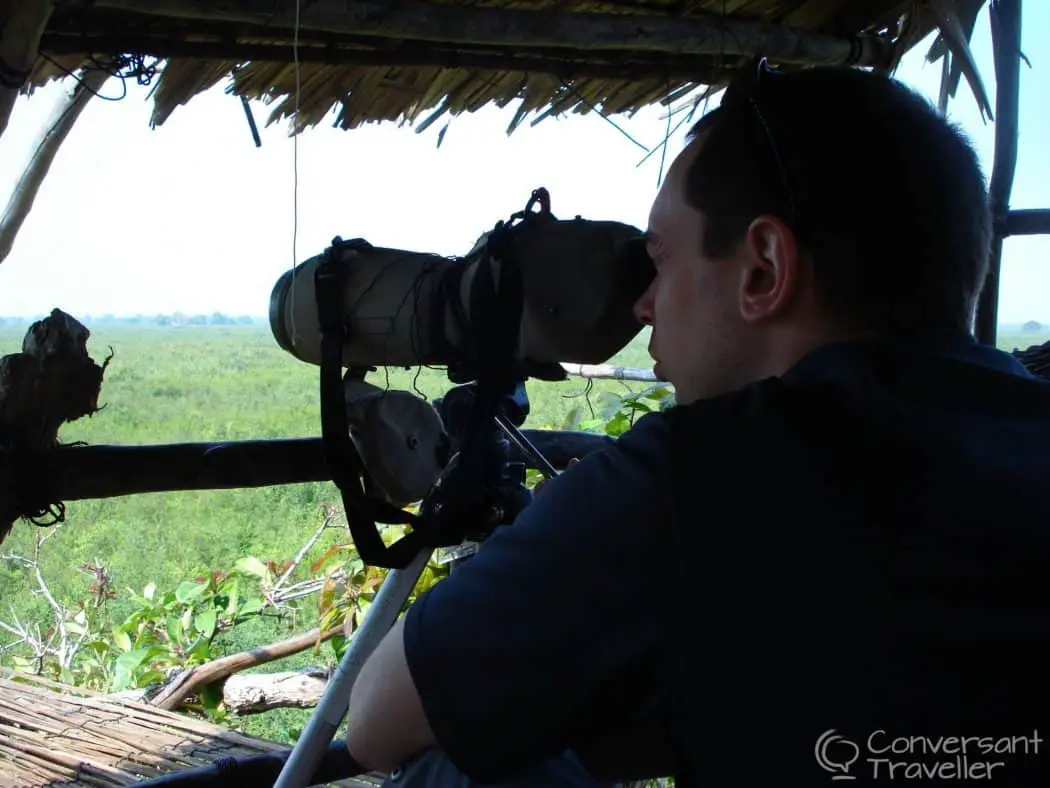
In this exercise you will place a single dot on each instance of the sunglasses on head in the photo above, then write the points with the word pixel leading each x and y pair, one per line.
pixel 753 83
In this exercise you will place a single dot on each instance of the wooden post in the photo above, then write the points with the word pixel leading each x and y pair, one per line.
pixel 54 133
pixel 19 39
pixel 1027 221
pixel 1005 18
pixel 31 481
pixel 515 29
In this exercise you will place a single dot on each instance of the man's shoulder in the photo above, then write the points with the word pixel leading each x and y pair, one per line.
pixel 639 459
pixel 954 394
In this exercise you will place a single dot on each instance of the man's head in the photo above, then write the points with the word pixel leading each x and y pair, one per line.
pixel 811 207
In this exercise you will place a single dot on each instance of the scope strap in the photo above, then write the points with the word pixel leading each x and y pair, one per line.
pixel 495 311
pixel 344 462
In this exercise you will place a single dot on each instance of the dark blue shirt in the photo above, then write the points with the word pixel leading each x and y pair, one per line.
pixel 816 551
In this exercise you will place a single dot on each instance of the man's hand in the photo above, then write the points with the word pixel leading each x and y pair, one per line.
pixel 538 487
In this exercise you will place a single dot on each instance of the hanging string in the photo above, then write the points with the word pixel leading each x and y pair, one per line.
pixel 295 164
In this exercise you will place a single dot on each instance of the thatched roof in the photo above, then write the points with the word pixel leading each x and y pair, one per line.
pixel 415 60
pixel 56 735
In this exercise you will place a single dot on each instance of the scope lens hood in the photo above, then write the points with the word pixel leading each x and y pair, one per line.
pixel 279 299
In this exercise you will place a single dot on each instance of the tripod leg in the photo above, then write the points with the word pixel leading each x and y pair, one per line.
pixel 325 721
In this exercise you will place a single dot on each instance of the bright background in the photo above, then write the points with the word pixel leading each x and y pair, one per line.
pixel 193 218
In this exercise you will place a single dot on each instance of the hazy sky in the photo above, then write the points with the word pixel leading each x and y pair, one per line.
pixel 193 217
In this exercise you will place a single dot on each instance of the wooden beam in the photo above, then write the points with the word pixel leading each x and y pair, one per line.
pixel 71 473
pixel 611 372
pixel 1005 18
pixel 458 25
pixel 1027 221
pixel 597 65
pixel 52 135
pixel 20 32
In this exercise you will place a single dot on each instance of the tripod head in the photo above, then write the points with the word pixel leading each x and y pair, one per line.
pixel 481 488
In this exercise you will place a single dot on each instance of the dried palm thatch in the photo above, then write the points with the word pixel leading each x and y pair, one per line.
pixel 417 60
pixel 55 735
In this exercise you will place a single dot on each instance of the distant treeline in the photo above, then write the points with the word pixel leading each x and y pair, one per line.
pixel 176 319
pixel 222 319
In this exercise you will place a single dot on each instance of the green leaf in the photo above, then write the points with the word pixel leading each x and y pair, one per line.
pixel 338 644
pixel 100 646
pixel 125 666
pixel 201 651
pixel 327 595
pixel 211 696
pixel 151 677
pixel 573 418
pixel 636 405
pixel 252 566
pixel 188 591
pixel 173 626
pixel 332 617
pixel 251 607
pixel 122 640
pixel 205 622
pixel 618 425
pixel 657 394
pixel 231 602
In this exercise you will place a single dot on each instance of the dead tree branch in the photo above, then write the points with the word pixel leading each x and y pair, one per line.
pixel 188 682
pixel 51 382
pixel 54 133
pixel 20 33
pixel 69 627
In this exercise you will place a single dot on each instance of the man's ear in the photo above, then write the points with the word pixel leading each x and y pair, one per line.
pixel 773 269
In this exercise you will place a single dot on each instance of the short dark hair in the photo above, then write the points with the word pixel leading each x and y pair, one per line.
pixel 884 192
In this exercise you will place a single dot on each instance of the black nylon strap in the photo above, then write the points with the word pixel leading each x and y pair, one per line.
pixel 447 293
pixel 344 462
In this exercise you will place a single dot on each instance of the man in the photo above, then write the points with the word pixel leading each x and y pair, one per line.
pixel 828 559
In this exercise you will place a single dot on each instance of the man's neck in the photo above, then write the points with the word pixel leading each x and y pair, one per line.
pixel 793 342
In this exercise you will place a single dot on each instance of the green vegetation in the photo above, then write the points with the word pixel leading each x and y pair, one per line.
pixel 131 561
pixel 157 581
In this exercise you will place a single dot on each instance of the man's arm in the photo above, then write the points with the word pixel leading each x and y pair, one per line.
pixel 387 723
pixel 389 726
pixel 544 640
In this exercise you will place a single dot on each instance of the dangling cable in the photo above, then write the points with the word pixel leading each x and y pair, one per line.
pixel 295 165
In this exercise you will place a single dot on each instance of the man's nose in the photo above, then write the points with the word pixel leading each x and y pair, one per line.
pixel 643 308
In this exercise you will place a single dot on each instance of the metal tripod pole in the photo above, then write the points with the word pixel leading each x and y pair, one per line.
pixel 325 721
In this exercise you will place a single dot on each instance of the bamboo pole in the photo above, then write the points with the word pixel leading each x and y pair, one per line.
pixel 610 372
pixel 19 38
pixel 521 29
pixel 567 64
pixel 64 115
pixel 1027 221
pixel 88 472
pixel 1005 18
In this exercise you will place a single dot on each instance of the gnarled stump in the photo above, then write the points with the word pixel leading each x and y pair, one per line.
pixel 51 382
